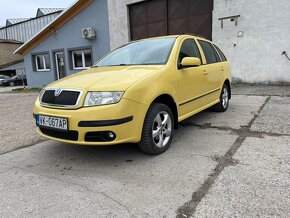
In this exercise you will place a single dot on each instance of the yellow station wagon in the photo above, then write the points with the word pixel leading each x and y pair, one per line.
pixel 136 94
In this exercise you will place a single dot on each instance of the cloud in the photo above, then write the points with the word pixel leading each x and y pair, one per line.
pixel 27 8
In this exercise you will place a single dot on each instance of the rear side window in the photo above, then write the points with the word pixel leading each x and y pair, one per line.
pixel 223 57
pixel 210 53
pixel 188 49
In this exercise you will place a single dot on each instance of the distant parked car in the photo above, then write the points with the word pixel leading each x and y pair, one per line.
pixel 16 80
pixel 3 77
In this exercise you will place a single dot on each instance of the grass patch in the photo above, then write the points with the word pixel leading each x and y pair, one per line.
pixel 26 90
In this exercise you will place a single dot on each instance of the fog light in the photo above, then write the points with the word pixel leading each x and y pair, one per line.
pixel 111 135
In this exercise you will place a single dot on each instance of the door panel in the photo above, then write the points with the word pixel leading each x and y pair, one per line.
pixel 192 81
pixel 192 87
pixel 148 19
pixel 214 70
pixel 167 17
pixel 187 16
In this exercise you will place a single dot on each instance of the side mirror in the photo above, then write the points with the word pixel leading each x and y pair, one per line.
pixel 190 62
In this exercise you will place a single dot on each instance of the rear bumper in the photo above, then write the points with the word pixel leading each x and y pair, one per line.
pixel 124 119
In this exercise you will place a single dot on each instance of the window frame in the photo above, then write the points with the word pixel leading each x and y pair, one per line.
pixel 220 53
pixel 82 50
pixel 42 57
pixel 197 47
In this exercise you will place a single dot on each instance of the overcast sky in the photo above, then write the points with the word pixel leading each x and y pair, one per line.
pixel 27 8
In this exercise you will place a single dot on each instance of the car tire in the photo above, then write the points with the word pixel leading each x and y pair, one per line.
pixel 223 105
pixel 159 122
pixel 11 84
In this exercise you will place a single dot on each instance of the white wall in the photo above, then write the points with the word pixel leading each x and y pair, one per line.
pixel 119 21
pixel 256 56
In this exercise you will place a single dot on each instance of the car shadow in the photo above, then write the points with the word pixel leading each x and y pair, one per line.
pixel 57 153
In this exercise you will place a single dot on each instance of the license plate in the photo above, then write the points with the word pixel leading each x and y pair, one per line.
pixel 52 122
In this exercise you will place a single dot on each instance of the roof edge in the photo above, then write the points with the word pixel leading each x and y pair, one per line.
pixel 11 63
pixel 49 29
pixel 29 19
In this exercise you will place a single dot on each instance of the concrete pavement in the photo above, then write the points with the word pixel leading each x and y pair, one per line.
pixel 219 165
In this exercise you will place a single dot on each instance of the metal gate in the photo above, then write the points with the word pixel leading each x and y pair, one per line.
pixel 169 17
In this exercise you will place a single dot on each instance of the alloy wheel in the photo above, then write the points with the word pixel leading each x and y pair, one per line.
pixel 225 97
pixel 162 129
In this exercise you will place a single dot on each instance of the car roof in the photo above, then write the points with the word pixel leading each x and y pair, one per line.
pixel 174 36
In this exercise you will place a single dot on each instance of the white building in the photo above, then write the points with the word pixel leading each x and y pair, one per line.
pixel 18 31
pixel 253 34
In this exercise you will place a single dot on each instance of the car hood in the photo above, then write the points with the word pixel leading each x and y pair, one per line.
pixel 117 78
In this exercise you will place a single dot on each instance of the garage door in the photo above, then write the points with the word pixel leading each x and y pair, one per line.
pixel 169 17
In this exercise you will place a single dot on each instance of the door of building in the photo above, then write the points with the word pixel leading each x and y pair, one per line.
pixel 170 17
pixel 60 66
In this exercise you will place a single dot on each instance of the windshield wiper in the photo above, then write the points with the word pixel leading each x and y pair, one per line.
pixel 116 65
pixel 119 65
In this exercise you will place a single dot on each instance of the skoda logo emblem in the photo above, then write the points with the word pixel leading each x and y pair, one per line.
pixel 57 92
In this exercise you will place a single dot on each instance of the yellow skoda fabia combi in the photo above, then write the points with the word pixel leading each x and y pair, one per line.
pixel 136 94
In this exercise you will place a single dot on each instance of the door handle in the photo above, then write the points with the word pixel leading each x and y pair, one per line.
pixel 223 69
pixel 205 73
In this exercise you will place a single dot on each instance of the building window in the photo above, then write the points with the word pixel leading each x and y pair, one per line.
pixel 81 59
pixel 42 62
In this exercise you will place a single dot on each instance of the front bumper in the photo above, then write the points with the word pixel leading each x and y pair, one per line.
pixel 125 119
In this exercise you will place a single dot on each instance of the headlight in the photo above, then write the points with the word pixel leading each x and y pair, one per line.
pixel 102 98
pixel 41 93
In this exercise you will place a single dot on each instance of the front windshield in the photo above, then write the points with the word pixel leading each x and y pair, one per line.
pixel 145 52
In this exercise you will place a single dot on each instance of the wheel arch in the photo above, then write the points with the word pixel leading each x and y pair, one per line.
pixel 169 101
pixel 228 83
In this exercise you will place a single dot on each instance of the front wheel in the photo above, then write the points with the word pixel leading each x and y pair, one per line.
pixel 223 105
pixel 11 83
pixel 158 129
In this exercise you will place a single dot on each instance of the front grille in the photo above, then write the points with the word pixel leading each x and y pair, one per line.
pixel 70 135
pixel 66 98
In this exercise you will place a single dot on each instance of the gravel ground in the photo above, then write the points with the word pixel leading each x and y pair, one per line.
pixel 17 124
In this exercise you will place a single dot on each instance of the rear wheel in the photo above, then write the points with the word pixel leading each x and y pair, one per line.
pixel 223 105
pixel 157 130
pixel 11 83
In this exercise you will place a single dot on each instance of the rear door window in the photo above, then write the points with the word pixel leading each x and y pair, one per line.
pixel 223 57
pixel 210 53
